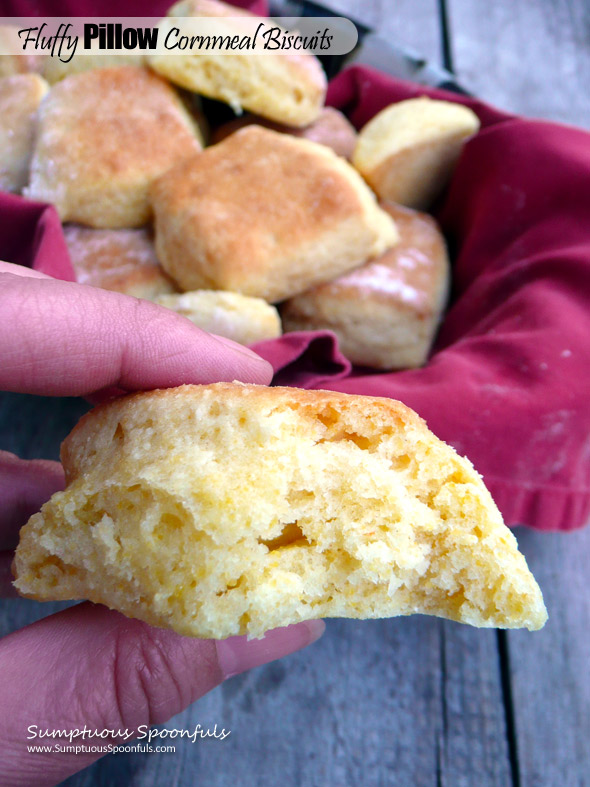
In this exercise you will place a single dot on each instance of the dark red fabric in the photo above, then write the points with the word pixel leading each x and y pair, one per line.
pixel 114 8
pixel 508 383
pixel 30 234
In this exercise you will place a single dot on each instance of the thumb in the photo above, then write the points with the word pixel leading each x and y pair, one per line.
pixel 91 667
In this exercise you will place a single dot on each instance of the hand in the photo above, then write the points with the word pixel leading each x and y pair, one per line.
pixel 89 665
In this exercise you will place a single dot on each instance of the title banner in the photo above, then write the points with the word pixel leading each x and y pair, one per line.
pixel 65 38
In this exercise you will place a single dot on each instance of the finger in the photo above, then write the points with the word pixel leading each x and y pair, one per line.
pixel 65 339
pixel 24 487
pixel 91 667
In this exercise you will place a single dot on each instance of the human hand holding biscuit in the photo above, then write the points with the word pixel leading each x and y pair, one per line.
pixel 89 665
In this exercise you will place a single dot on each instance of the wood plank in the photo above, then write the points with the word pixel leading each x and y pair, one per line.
pixel 34 426
pixel 550 669
pixel 411 24
pixel 527 57
pixel 368 704
pixel 362 706
pixel 473 747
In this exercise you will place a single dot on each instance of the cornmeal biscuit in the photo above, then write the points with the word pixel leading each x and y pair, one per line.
pixel 408 151
pixel 119 260
pixel 241 318
pixel 285 87
pixel 232 509
pixel 385 313
pixel 11 62
pixel 267 215
pixel 103 136
pixel 331 128
pixel 20 96
pixel 54 69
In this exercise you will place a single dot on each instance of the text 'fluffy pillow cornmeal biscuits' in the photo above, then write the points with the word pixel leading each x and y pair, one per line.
pixel 267 215
pixel 232 509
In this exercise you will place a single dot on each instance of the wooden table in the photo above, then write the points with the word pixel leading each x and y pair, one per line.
pixel 413 701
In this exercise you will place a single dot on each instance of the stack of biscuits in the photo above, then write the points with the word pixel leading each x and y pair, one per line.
pixel 281 217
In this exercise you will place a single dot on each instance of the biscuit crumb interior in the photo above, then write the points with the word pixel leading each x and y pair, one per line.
pixel 250 511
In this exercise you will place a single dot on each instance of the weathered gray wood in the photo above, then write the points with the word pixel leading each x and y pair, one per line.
pixel 34 426
pixel 528 57
pixel 473 745
pixel 367 705
pixel 411 24
pixel 550 669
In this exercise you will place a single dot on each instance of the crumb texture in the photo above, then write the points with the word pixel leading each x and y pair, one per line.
pixel 230 509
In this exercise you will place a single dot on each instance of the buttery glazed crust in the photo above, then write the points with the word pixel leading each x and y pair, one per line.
pixel 386 312
pixel 408 151
pixel 230 509
pixel 20 96
pixel 266 215
pixel 287 88
pixel 104 135
pixel 119 260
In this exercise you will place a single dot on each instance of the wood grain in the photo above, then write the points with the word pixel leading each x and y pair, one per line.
pixel 550 669
pixel 527 57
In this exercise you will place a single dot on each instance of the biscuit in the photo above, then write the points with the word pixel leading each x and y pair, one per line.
pixel 232 509
pixel 408 151
pixel 20 96
pixel 284 87
pixel 10 61
pixel 54 69
pixel 331 128
pixel 103 136
pixel 385 313
pixel 238 317
pixel 266 215
pixel 119 260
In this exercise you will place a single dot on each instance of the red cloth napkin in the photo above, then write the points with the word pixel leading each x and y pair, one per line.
pixel 509 380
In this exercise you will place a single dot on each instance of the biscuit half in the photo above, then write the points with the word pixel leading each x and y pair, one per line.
pixel 231 509
pixel 385 313
pixel 408 151
pixel 267 215
pixel 103 136
pixel 284 87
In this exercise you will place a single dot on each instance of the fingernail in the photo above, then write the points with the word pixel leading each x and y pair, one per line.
pixel 239 348
pixel 238 654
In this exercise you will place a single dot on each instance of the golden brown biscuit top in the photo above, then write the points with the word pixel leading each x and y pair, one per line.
pixel 270 189
pixel 116 119
pixel 412 271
